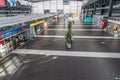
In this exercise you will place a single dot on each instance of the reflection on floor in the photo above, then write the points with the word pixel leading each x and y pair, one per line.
pixel 47 67
pixel 9 66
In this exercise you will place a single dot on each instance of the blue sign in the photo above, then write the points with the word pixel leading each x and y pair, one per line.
pixel 18 29
pixel 11 32
pixel 7 33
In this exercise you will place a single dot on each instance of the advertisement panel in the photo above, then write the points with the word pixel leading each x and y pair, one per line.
pixel 2 3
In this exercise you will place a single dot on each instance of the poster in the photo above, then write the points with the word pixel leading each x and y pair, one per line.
pixel 2 3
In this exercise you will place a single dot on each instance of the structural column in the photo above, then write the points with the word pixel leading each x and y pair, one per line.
pixel 94 8
pixel 110 8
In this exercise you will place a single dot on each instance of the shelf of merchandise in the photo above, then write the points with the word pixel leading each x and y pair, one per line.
pixel 114 22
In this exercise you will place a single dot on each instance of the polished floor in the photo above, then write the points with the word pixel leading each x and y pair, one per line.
pixel 49 67
pixel 94 55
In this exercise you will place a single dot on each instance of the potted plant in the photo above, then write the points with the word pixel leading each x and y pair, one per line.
pixel 68 36
pixel 42 28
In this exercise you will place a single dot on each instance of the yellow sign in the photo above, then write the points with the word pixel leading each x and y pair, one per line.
pixel 37 23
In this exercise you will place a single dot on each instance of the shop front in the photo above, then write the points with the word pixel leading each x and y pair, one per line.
pixel 36 28
pixel 21 38
pixel 114 27
pixel 13 39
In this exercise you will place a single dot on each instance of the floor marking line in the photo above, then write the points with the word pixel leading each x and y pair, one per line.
pixel 75 25
pixel 76 29
pixel 68 53
pixel 77 37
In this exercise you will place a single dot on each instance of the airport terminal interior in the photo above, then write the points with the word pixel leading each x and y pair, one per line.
pixel 59 39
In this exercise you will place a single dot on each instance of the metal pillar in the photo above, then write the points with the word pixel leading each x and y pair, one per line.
pixel 87 11
pixel 111 8
pixel 94 9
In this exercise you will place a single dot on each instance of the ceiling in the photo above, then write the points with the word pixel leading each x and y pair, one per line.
pixel 46 0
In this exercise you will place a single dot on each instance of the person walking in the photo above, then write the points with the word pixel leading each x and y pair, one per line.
pixel 104 25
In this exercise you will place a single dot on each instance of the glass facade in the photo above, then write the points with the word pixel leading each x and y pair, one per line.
pixel 54 5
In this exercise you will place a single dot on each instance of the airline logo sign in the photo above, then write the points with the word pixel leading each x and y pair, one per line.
pixel 2 3
pixel 65 2
pixel 12 2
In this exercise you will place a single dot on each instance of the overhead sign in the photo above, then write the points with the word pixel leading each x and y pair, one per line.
pixel 65 2
pixel 12 2
pixel 37 23
pixel 2 3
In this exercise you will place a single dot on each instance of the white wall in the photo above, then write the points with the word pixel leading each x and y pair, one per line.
pixel 53 5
